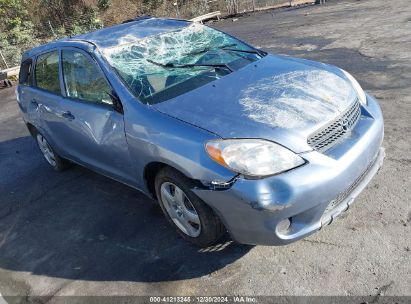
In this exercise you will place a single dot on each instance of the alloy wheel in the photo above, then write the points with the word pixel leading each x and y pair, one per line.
pixel 180 209
pixel 46 150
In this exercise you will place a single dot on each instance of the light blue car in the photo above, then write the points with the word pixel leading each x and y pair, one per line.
pixel 225 136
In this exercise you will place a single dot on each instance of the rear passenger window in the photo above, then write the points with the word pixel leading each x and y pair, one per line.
pixel 25 76
pixel 47 72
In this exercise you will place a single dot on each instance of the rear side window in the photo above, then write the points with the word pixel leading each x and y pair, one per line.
pixel 25 76
pixel 47 72
pixel 83 80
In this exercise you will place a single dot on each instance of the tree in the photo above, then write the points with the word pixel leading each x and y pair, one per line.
pixel 103 4
pixel 16 29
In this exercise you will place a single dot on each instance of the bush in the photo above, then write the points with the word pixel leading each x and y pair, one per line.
pixel 17 30
pixel 103 4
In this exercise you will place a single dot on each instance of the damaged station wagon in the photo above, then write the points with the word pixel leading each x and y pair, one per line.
pixel 225 136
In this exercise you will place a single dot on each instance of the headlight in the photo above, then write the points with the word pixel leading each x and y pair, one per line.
pixel 253 157
pixel 360 92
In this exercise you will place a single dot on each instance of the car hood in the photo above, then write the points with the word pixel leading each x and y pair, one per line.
pixel 276 98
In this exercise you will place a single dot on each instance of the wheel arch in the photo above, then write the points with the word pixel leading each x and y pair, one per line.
pixel 150 172
pixel 153 168
pixel 32 129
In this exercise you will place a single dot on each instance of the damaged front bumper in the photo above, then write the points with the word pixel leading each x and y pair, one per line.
pixel 306 198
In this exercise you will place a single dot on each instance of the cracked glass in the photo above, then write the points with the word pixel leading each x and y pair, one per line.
pixel 164 66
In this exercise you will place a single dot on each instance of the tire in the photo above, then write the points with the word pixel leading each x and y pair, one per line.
pixel 203 233
pixel 57 162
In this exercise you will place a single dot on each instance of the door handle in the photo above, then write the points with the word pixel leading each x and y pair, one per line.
pixel 68 115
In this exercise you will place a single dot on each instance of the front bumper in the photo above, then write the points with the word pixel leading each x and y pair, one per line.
pixel 310 196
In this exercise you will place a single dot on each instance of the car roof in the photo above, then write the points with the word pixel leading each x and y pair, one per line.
pixel 134 29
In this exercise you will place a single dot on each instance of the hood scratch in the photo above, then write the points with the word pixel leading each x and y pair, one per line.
pixel 298 98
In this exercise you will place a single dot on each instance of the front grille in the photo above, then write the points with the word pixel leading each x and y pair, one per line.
pixel 333 132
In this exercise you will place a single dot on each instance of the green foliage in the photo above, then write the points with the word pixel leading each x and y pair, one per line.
pixel 16 22
pixel 10 52
pixel 16 28
pixel 85 21
pixel 26 23
pixel 103 4
pixel 68 17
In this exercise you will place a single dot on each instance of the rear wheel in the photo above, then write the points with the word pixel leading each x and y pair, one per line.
pixel 53 159
pixel 193 219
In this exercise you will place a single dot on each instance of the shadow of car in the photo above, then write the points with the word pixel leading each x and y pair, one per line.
pixel 81 225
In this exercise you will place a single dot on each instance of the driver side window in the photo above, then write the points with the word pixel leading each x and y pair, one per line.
pixel 83 80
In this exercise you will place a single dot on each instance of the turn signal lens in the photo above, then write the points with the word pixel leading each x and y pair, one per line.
pixel 215 154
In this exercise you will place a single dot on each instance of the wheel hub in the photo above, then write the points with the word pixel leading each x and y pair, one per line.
pixel 46 150
pixel 180 209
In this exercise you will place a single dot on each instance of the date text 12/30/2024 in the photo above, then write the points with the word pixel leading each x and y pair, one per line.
pixel 222 299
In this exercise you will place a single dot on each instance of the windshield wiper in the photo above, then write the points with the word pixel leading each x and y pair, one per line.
pixel 183 66
pixel 205 50
pixel 258 52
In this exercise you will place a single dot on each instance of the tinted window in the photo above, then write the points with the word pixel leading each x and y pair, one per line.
pixel 25 76
pixel 47 72
pixel 83 79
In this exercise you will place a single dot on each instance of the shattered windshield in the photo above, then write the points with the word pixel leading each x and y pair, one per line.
pixel 160 67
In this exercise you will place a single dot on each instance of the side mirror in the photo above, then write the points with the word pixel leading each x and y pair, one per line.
pixel 116 101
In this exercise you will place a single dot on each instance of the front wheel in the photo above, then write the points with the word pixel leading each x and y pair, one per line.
pixel 53 159
pixel 193 219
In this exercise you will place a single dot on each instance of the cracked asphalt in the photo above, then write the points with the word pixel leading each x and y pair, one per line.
pixel 79 233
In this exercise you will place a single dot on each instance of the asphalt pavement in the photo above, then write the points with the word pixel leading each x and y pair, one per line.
pixel 79 233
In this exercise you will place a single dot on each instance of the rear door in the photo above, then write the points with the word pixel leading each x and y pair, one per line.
pixel 44 101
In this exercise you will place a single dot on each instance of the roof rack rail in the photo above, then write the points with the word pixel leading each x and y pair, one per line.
pixel 83 40
pixel 137 19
